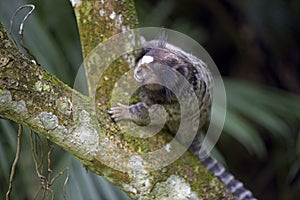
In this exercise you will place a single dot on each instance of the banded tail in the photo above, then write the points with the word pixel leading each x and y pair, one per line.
pixel 232 184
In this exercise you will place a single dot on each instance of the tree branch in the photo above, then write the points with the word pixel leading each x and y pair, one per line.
pixel 31 96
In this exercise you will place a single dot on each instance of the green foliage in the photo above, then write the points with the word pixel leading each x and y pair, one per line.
pixel 262 120
pixel 250 105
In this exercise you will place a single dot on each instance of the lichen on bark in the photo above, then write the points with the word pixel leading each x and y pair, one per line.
pixel 31 96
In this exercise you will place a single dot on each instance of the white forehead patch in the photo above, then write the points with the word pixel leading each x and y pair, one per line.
pixel 147 59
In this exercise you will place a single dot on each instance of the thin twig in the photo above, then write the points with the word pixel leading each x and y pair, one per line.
pixel 24 19
pixel 14 165
pixel 49 158
pixel 21 28
pixel 34 156
pixel 45 181
pixel 41 178
pixel 65 185
pixel 37 193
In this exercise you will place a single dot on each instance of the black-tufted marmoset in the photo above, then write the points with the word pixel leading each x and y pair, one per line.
pixel 159 69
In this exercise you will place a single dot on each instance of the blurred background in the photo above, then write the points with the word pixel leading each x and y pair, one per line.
pixel 255 45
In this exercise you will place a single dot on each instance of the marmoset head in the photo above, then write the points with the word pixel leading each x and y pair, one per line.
pixel 160 65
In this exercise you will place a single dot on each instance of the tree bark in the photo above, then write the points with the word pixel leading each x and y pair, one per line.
pixel 31 96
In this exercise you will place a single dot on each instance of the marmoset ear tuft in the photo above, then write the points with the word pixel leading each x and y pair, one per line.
pixel 143 40
pixel 162 40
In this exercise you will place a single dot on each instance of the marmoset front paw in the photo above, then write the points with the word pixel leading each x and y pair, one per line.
pixel 138 113
pixel 120 112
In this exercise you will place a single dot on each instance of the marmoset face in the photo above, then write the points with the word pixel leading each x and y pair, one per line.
pixel 157 67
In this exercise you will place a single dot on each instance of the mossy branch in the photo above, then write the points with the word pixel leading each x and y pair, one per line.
pixel 31 96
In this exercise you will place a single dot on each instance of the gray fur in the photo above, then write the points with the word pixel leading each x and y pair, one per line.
pixel 196 72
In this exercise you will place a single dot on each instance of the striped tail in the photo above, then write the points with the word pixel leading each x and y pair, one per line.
pixel 233 185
